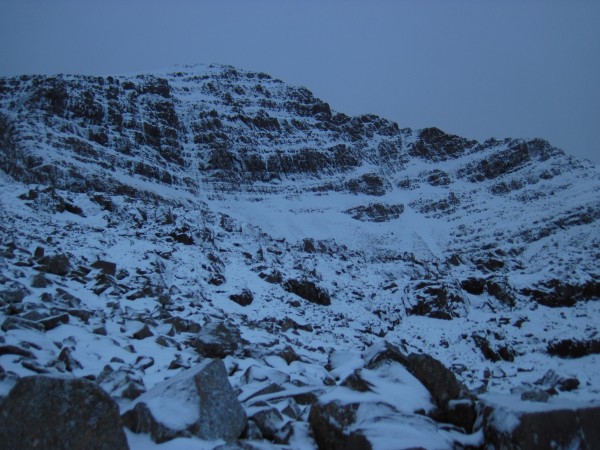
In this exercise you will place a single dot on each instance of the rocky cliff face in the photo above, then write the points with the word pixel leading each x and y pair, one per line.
pixel 143 208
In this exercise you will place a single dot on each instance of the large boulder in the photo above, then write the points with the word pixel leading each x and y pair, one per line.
pixel 55 413
pixel 509 423
pixel 437 378
pixel 197 402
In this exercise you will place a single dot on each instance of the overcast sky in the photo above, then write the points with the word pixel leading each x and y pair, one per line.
pixel 477 68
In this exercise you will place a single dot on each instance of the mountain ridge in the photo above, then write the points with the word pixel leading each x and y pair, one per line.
pixel 224 194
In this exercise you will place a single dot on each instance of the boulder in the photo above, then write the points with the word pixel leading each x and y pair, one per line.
pixel 40 281
pixel 52 322
pixel 143 333
pixel 14 350
pixel 331 423
pixel 272 425
pixel 473 285
pixel 244 298
pixel 289 355
pixel 181 325
pixel 107 267
pixel 451 398
pixel 340 425
pixel 197 402
pixel 56 264
pixel 437 378
pixel 308 291
pixel 53 413
pixel 355 382
pixel 217 340
pixel 509 423
pixel 14 293
pixel 382 352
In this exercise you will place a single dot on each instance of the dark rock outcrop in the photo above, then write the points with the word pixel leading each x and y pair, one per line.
pixel 437 300
pixel 376 212
pixel 555 293
pixel 492 353
pixel 308 291
pixel 435 145
pixel 52 413
pixel 574 348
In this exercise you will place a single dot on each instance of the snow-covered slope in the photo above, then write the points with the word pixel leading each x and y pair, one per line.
pixel 339 232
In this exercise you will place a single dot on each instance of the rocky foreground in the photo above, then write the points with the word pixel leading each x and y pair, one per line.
pixel 210 258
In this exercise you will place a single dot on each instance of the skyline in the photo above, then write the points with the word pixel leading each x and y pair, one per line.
pixel 476 69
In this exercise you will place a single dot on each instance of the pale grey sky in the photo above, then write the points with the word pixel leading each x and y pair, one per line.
pixel 477 68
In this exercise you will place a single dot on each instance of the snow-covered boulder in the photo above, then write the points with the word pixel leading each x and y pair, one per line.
pixel 197 402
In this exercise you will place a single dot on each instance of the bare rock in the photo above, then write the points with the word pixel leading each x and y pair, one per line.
pixel 51 413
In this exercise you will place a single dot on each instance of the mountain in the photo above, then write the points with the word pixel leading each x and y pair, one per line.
pixel 153 220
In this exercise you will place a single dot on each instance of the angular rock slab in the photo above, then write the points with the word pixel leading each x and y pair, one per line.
pixel 340 425
pixel 508 423
pixel 197 402
pixel 55 413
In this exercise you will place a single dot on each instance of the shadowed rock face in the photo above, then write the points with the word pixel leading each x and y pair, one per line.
pixel 42 412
